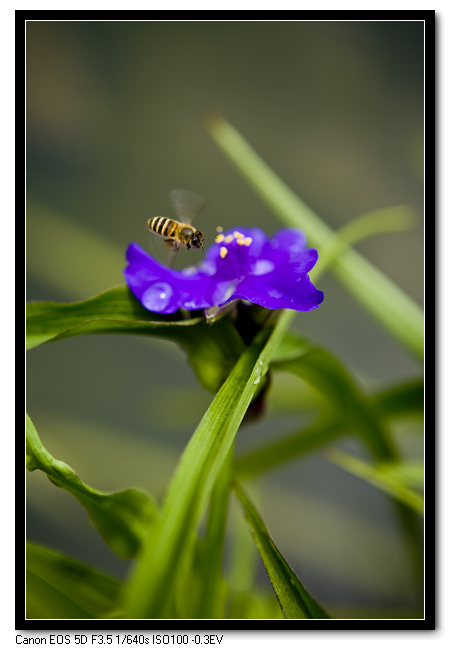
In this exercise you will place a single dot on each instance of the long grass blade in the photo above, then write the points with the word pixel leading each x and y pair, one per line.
pixel 150 591
pixel 390 305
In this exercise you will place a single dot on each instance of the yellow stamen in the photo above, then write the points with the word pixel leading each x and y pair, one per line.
pixel 229 239
pixel 238 235
pixel 223 251
pixel 220 238
pixel 240 241
pixel 248 241
pixel 219 229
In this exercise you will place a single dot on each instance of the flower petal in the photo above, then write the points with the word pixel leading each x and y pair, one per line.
pixel 282 289
pixel 243 264
pixel 160 289
pixel 239 256
pixel 291 240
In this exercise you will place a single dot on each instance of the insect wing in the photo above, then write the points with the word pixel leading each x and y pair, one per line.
pixel 173 253
pixel 186 205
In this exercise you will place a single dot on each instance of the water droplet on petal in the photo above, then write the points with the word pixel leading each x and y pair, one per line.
pixel 157 297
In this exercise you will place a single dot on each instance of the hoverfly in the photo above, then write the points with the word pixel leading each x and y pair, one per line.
pixel 186 206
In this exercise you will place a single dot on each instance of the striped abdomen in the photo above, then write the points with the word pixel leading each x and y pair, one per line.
pixel 164 226
pixel 176 234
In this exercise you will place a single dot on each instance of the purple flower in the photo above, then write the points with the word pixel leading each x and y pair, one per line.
pixel 241 264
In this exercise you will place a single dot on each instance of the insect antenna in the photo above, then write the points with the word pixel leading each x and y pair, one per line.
pixel 201 244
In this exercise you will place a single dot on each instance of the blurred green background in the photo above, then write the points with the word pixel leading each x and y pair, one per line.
pixel 113 124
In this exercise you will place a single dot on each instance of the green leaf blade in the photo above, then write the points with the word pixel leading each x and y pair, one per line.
pixel 59 587
pixel 397 479
pixel 387 302
pixel 211 603
pixel 294 599
pixel 113 311
pixel 149 594
pixel 326 373
pixel 122 518
pixel 402 400
pixel 212 349
pixel 290 447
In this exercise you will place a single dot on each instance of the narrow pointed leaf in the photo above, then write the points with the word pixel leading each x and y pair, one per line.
pixel 211 604
pixel 394 218
pixel 243 566
pixel 404 400
pixel 294 599
pixel 114 311
pixel 149 594
pixel 121 518
pixel 398 479
pixel 393 308
pixel 324 372
pixel 290 447
pixel 212 348
pixel 59 587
